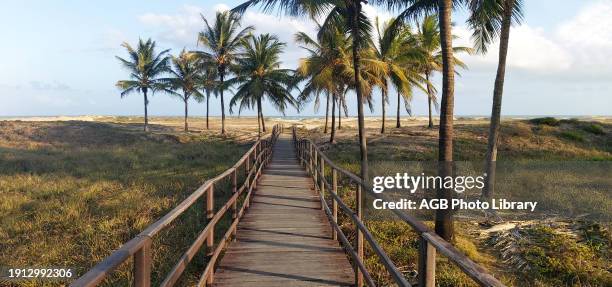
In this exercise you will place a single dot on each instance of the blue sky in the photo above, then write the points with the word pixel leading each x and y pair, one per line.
pixel 59 57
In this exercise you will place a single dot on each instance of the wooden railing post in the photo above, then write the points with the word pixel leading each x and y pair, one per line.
pixel 310 155
pixel 235 204
pixel 427 263
pixel 359 245
pixel 303 153
pixel 268 152
pixel 298 147
pixel 334 202
pixel 256 152
pixel 210 277
pixel 142 264
pixel 256 164
pixel 248 165
pixel 316 170
pixel 322 183
pixel 210 205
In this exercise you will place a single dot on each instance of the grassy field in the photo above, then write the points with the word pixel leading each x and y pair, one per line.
pixel 566 244
pixel 72 192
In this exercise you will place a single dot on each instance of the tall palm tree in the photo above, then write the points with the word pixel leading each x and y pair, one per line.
pixel 347 14
pixel 399 54
pixel 209 83
pixel 324 68
pixel 413 9
pixel 222 41
pixel 186 78
pixel 329 67
pixel 491 19
pixel 145 67
pixel 350 15
pixel 259 76
pixel 429 42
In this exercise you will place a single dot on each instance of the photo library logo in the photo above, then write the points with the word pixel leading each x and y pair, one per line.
pixel 412 183
pixel 404 183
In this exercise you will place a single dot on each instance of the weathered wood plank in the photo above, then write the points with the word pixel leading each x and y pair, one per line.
pixel 284 239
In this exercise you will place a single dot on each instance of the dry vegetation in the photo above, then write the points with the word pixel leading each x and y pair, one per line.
pixel 567 244
pixel 72 192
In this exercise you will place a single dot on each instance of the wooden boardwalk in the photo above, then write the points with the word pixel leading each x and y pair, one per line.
pixel 285 238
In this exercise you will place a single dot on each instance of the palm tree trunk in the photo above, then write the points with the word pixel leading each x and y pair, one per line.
pixel 261 116
pixel 333 123
pixel 186 125
pixel 221 75
pixel 384 111
pixel 444 217
pixel 339 113
pixel 207 99
pixel 498 90
pixel 326 114
pixel 397 123
pixel 360 116
pixel 146 116
pixel 429 100
pixel 258 120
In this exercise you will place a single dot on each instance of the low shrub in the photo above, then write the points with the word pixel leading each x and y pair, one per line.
pixel 573 121
pixel 594 129
pixel 519 129
pixel 572 135
pixel 549 121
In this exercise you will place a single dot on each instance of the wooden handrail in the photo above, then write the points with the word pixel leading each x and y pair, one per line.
pixel 254 160
pixel 311 157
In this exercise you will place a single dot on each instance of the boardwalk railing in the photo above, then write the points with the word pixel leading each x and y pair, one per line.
pixel 252 163
pixel 316 163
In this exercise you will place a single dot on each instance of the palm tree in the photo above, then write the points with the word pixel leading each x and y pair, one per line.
pixel 186 78
pixel 397 51
pixel 209 83
pixel 259 76
pixel 145 67
pixel 222 41
pixel 413 9
pixel 329 67
pixel 491 19
pixel 429 42
pixel 325 68
pixel 347 14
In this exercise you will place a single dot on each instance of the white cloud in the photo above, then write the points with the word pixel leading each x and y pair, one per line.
pixel 589 37
pixel 582 45
pixel 180 29
pixel 285 28
pixel 530 49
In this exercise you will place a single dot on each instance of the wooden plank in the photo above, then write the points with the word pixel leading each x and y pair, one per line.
pixel 284 239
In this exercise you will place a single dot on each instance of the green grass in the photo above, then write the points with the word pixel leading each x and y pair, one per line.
pixel 573 136
pixel 560 260
pixel 594 129
pixel 549 121
pixel 534 149
pixel 72 192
